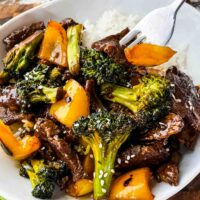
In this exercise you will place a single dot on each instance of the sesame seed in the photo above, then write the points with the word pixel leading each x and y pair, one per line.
pixel 112 170
pixel 91 156
pixel 119 160
pixel 103 190
pixel 94 174
pixel 105 175
pixel 76 125
pixel 102 182
pixel 100 176
pixel 175 99
pixel 190 103
pixel 40 87
pixel 100 145
pixel 101 172
pixel 132 156
pixel 128 158
pixel 126 161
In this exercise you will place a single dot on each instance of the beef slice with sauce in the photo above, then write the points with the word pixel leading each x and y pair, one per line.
pixel 170 125
pixel 9 107
pixel 110 45
pixel 21 34
pixel 67 22
pixel 186 100
pixel 169 172
pixel 143 155
pixel 188 136
pixel 49 132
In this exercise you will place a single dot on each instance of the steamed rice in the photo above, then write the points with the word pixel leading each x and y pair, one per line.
pixel 111 22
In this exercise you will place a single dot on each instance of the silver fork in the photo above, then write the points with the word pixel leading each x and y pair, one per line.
pixel 157 27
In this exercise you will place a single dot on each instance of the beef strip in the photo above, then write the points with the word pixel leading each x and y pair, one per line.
pixel 169 170
pixel 68 22
pixel 9 108
pixel 172 124
pixel 8 98
pixel 110 45
pixel 186 100
pixel 188 136
pixel 95 102
pixel 10 117
pixel 21 34
pixel 168 173
pixel 64 151
pixel 48 131
pixel 143 156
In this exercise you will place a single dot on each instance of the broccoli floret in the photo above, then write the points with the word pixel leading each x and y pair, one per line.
pixel 23 172
pixel 18 60
pixel 104 132
pixel 40 85
pixel 148 101
pixel 97 65
pixel 41 178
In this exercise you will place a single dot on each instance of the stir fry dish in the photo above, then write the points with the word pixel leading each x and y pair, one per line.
pixel 99 121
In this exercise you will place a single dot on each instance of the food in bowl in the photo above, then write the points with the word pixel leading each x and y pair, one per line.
pixel 91 116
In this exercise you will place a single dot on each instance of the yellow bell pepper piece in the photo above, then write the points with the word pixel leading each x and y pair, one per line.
pixel 20 149
pixel 148 54
pixel 74 105
pixel 132 185
pixel 54 45
pixel 80 188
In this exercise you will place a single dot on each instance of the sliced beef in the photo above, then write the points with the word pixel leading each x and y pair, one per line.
pixel 169 170
pixel 21 34
pixel 9 108
pixel 172 124
pixel 64 151
pixel 48 131
pixel 188 136
pixel 8 98
pixel 68 22
pixel 95 102
pixel 143 155
pixel 110 45
pixel 9 117
pixel 186 100
pixel 168 173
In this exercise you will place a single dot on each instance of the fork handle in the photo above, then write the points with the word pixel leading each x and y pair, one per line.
pixel 177 4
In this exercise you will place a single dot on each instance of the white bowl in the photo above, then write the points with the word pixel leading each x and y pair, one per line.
pixel 187 32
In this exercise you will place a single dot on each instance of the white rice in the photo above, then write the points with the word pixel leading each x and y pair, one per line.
pixel 112 22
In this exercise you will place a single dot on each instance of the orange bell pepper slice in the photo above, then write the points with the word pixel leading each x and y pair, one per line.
pixel 132 185
pixel 54 45
pixel 148 54
pixel 74 105
pixel 80 188
pixel 20 149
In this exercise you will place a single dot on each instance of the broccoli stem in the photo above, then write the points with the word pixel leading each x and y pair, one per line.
pixel 73 48
pixel 34 178
pixel 104 156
